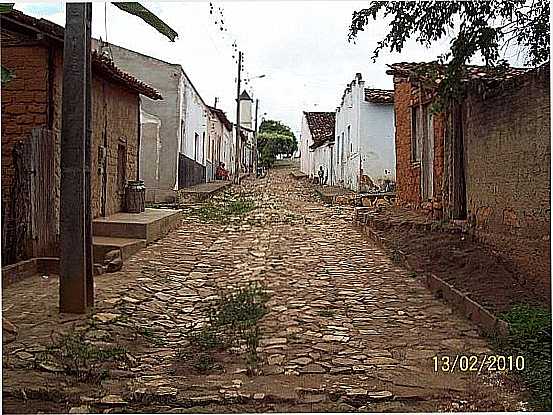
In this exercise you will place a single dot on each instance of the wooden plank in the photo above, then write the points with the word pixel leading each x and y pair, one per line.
pixel 73 282
pixel 88 165
pixel 31 154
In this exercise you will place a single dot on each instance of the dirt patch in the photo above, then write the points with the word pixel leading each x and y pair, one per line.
pixel 450 253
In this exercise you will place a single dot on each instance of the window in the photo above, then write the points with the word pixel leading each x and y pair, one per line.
pixel 349 140
pixel 196 145
pixel 342 149
pixel 203 146
pixel 421 130
pixel 183 137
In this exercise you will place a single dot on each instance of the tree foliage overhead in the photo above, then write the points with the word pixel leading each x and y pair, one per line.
pixel 478 28
pixel 274 138
pixel 138 10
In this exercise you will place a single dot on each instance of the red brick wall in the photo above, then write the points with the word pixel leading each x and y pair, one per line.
pixel 409 173
pixel 24 105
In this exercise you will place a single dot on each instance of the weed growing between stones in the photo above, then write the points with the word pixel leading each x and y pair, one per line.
pixel 72 354
pixel 326 313
pixel 148 334
pixel 530 337
pixel 224 208
pixel 232 324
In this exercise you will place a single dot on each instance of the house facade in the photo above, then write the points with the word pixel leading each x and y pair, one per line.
pixel 222 148
pixel 317 140
pixel 485 159
pixel 182 157
pixel 31 125
pixel 364 154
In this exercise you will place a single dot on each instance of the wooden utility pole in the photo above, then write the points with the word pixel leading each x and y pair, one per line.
pixel 255 139
pixel 76 284
pixel 237 160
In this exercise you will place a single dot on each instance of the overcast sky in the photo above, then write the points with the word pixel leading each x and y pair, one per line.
pixel 301 47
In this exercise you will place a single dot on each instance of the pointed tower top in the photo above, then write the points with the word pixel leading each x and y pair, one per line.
pixel 245 96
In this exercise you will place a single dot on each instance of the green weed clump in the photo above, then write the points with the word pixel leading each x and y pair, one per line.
pixel 530 337
pixel 73 355
pixel 232 322
pixel 222 210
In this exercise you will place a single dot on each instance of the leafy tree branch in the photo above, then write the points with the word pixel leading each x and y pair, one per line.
pixel 483 29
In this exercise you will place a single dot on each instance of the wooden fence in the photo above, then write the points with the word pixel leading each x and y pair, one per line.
pixel 33 228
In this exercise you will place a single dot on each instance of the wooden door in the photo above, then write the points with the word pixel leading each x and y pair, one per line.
pixel 427 170
pixel 121 173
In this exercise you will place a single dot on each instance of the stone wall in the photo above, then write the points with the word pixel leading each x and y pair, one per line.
pixel 508 153
pixel 507 159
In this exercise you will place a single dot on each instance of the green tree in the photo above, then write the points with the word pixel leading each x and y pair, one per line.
pixel 478 28
pixel 279 138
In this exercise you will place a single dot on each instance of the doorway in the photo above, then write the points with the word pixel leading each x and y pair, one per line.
pixel 427 160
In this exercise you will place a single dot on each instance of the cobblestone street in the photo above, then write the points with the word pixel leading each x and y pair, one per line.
pixel 346 329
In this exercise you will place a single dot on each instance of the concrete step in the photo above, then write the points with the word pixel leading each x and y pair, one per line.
pixel 104 244
pixel 201 192
pixel 149 225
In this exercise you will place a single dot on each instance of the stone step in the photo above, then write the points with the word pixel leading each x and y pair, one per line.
pixel 149 225
pixel 127 246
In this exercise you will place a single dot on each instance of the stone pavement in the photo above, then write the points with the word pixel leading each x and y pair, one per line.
pixel 347 330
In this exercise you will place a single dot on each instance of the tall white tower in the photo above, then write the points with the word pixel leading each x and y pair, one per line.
pixel 246 110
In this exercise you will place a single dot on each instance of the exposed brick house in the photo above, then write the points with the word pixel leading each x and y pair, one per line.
pixel 485 160
pixel 33 50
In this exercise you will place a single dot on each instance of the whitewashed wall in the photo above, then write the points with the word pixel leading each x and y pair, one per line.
pixel 370 148
pixel 194 114
pixel 306 160
pixel 322 157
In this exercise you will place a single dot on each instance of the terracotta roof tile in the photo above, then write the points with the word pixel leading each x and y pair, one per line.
pixel 100 64
pixel 104 65
pixel 220 114
pixel 321 125
pixel 379 96
pixel 429 70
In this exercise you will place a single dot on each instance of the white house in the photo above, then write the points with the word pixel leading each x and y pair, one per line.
pixel 316 141
pixel 221 140
pixel 364 154
pixel 193 143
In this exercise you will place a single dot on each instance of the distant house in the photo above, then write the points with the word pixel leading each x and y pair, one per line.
pixel 31 124
pixel 221 138
pixel 485 159
pixel 364 158
pixel 317 139
pixel 182 158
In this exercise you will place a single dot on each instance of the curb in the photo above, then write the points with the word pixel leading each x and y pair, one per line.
pixel 487 321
